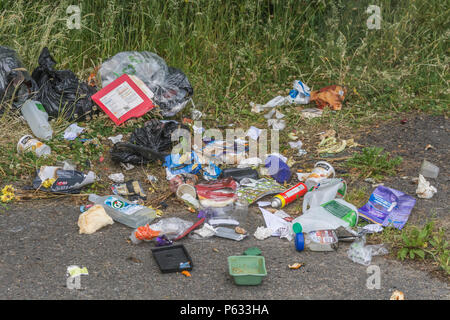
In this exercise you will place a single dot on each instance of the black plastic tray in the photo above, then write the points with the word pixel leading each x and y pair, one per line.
pixel 171 258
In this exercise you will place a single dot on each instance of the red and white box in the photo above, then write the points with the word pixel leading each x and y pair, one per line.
pixel 124 98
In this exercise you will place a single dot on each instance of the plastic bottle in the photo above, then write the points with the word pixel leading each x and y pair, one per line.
pixel 328 216
pixel 28 143
pixel 121 210
pixel 37 118
pixel 320 240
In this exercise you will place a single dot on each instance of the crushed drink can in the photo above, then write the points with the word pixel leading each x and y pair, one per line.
pixel 286 197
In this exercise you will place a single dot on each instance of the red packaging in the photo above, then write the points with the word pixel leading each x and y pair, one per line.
pixel 219 189
pixel 124 98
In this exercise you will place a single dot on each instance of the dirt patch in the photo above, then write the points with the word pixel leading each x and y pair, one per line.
pixel 409 138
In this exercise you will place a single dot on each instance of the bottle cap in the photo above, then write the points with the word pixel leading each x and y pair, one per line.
pixel 297 227
pixel 299 242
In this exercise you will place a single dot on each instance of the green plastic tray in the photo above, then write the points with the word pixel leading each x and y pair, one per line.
pixel 247 270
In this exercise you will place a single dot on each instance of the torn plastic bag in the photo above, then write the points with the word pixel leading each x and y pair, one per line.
pixel 170 227
pixel 60 91
pixel 330 96
pixel 55 179
pixel 223 216
pixel 146 144
pixel 170 85
pixel 15 82
pixel 361 253
pixel 178 164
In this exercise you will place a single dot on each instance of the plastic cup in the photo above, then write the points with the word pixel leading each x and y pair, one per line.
pixel 241 211
pixel 429 170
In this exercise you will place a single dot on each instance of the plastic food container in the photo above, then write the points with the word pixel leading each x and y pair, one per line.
pixel 247 270
pixel 173 258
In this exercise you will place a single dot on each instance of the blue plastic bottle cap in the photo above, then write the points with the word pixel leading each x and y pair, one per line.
pixel 299 242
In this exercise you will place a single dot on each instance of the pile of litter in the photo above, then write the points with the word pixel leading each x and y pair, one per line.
pixel 217 180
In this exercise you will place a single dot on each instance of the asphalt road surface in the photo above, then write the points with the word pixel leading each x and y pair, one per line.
pixel 40 240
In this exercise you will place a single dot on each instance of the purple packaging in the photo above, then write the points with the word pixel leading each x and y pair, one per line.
pixel 388 207
pixel 278 169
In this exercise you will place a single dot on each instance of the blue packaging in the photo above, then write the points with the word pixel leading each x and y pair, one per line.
pixel 388 207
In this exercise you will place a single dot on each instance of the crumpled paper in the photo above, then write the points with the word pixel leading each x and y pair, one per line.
pixel 424 189
pixel 262 233
pixel 94 219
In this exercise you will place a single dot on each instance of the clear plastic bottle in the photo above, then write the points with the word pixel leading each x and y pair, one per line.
pixel 123 211
pixel 37 118
pixel 319 240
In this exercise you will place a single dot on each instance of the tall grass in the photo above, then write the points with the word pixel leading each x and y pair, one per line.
pixel 235 52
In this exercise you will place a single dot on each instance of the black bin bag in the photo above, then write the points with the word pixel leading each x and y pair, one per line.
pixel 146 144
pixel 60 91
pixel 16 84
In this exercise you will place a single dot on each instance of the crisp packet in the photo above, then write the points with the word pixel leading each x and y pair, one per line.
pixel 388 207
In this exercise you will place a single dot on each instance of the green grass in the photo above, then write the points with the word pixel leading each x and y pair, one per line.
pixel 235 52
pixel 372 162
pixel 425 243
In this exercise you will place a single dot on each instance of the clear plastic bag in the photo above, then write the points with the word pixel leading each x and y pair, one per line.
pixel 170 85
pixel 362 254
pixel 327 190
pixel 171 228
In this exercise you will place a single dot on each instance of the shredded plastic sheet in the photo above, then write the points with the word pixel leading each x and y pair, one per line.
pixel 116 139
pixel 280 227
pixel 117 177
pixel 171 88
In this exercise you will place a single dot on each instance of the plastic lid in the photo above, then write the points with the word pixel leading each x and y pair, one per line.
pixel 297 227
pixel 254 251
